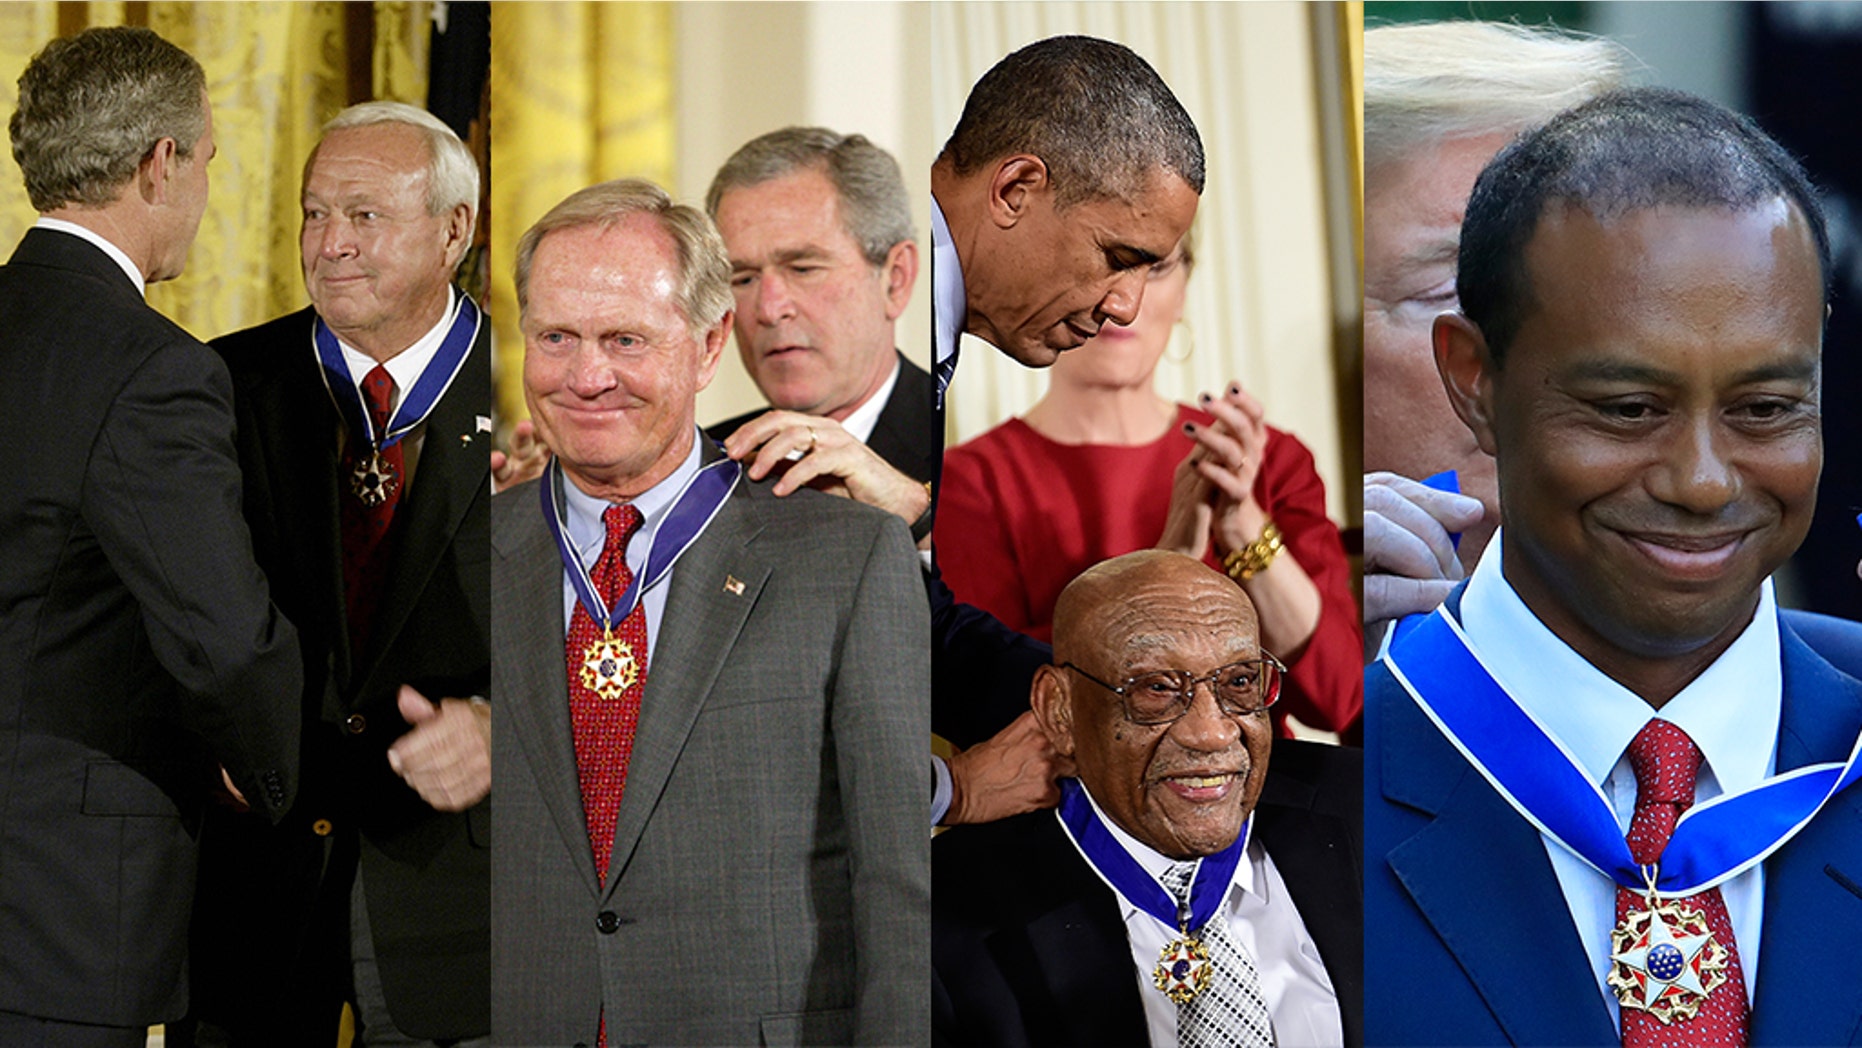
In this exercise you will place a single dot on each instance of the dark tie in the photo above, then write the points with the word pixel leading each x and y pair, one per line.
pixel 366 527
pixel 1666 762
pixel 945 370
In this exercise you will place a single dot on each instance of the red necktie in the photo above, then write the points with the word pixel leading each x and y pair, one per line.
pixel 366 527
pixel 1666 761
pixel 604 727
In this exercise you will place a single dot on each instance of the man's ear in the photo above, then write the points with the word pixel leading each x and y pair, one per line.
pixel 458 235
pixel 1468 374
pixel 1053 707
pixel 156 173
pixel 900 273
pixel 713 348
pixel 1014 184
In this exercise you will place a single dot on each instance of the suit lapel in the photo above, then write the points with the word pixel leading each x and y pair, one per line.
pixel 1072 945
pixel 534 683
pixel 1316 862
pixel 1809 987
pixel 451 474
pixel 1479 875
pixel 702 621
pixel 905 432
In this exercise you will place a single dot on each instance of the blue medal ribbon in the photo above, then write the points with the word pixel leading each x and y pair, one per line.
pixel 418 401
pixel 1712 842
pixel 696 505
pixel 1115 865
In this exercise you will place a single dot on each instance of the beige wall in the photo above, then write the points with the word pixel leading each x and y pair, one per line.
pixel 748 68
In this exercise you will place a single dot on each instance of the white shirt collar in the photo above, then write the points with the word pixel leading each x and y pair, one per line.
pixel 861 420
pixel 948 301
pixel 116 253
pixel 1730 711
pixel 1156 863
pixel 587 532
pixel 404 367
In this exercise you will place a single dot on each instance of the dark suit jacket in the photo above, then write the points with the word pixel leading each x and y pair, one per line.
pixel 138 648
pixel 274 900
pixel 906 433
pixel 770 871
pixel 1027 944
pixel 1470 940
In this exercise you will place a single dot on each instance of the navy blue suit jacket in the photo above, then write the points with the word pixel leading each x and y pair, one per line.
pixel 1468 939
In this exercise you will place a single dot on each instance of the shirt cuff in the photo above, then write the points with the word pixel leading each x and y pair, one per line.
pixel 940 790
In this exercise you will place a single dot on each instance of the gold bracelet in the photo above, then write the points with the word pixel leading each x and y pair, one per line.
pixel 1250 560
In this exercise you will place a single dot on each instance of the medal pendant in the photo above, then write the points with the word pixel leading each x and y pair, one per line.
pixel 1183 969
pixel 608 667
pixel 1664 960
pixel 373 480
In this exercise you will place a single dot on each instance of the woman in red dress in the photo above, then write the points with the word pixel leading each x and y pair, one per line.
pixel 1102 465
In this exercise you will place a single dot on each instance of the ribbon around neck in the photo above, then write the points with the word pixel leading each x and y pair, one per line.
pixel 1532 771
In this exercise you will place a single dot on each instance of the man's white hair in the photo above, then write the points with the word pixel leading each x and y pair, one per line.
pixel 1427 82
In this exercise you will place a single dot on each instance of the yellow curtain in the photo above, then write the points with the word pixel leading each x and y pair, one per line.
pixel 275 72
pixel 580 93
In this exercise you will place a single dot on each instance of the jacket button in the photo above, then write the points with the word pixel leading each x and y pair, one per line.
pixel 607 922
pixel 321 827
pixel 356 723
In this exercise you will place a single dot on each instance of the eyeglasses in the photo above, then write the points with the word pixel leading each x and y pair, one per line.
pixel 1162 697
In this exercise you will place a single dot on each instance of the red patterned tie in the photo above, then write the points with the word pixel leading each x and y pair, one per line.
pixel 604 727
pixel 1666 761
pixel 366 528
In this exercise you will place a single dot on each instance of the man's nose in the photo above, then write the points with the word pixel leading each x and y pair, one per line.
pixel 1122 299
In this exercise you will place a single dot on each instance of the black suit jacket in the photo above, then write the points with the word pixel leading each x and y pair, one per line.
pixel 138 649
pixel 906 434
pixel 1027 945
pixel 281 894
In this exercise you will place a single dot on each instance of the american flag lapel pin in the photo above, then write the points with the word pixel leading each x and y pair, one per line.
pixel 732 586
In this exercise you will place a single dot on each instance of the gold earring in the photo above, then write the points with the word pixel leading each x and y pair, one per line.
pixel 1188 340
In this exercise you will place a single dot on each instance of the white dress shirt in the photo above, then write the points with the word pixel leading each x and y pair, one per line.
pixel 1261 918
pixel 860 421
pixel 948 302
pixel 404 368
pixel 116 254
pixel 588 533
pixel 1730 711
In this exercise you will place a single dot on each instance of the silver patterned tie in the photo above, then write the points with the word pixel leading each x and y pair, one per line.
pixel 1231 1013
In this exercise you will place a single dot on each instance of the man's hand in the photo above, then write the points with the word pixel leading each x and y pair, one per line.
pixel 1007 775
pixel 1410 564
pixel 527 460
pixel 831 461
pixel 446 758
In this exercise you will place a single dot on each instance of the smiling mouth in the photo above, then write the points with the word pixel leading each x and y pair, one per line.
pixel 1688 556
pixel 1200 788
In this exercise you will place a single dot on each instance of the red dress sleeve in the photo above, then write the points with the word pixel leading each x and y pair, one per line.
pixel 1325 681
pixel 975 518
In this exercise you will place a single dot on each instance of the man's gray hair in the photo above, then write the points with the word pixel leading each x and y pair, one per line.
pixel 1098 115
pixel 704 293
pixel 92 106
pixel 452 171
pixel 874 207
pixel 1432 81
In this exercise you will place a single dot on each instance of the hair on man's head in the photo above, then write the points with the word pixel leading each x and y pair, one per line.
pixel 1096 114
pixel 1624 151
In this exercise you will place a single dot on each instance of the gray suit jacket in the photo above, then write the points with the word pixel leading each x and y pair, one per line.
pixel 770 881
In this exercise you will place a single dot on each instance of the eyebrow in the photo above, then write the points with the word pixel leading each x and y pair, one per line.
pixel 794 254
pixel 1128 251
pixel 1624 371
